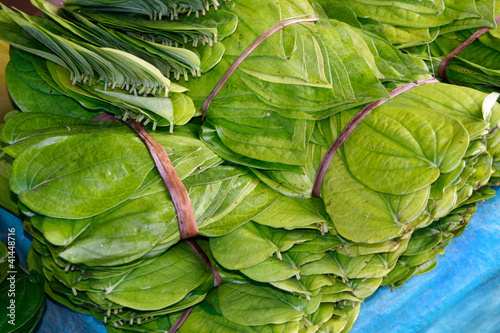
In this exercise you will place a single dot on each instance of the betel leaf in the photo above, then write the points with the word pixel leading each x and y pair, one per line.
pixel 292 213
pixel 206 316
pixel 336 324
pixel 180 269
pixel 124 261
pixel 248 304
pixel 361 214
pixel 359 249
pixel 261 241
pixel 305 72
pixel 338 264
pixel 32 93
pixel 253 247
pixel 162 110
pixel 443 98
pixel 24 68
pixel 210 138
pixel 107 239
pixel 153 9
pixel 86 64
pixel 363 288
pixel 7 199
pixel 409 23
pixel 400 156
pixel 208 29
pixel 424 240
pixel 241 199
pixel 54 164
pixel 272 270
pixel 289 136
pixel 416 14
pixel 84 60
pixel 26 129
pixel 310 286
pixel 28 295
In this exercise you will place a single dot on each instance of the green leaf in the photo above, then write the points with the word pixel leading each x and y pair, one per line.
pixel 272 269
pixel 70 177
pixel 423 240
pixel 31 93
pixel 310 286
pixel 249 304
pixel 29 128
pixel 291 213
pixel 240 206
pixel 29 294
pixel 338 264
pixel 253 247
pixel 7 199
pixel 363 215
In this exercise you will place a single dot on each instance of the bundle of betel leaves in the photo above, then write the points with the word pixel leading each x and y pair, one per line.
pixel 431 31
pixel 268 256
pixel 19 287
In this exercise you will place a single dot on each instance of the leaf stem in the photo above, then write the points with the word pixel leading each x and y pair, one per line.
pixel 180 321
pixel 199 251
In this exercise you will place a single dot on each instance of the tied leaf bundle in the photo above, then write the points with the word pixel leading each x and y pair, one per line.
pixel 155 10
pixel 264 116
pixel 311 261
pixel 106 232
pixel 121 71
pixel 477 65
pixel 19 288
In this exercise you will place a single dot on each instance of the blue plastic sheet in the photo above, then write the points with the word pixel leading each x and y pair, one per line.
pixel 461 295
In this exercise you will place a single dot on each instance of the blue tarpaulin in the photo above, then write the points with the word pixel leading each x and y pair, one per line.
pixel 461 295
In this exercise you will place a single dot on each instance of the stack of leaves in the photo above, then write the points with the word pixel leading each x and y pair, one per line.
pixel 111 245
pixel 114 186
pixel 409 23
pixel 426 243
pixel 7 200
pixel 431 30
pixel 155 9
pixel 208 29
pixel 107 249
pixel 21 294
pixel 403 185
pixel 120 71
pixel 157 42
pixel 264 116
pixel 477 66
pixel 427 161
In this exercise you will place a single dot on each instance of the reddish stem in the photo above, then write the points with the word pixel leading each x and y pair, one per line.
pixel 446 61
pixel 107 117
pixel 182 319
pixel 199 251
pixel 180 197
